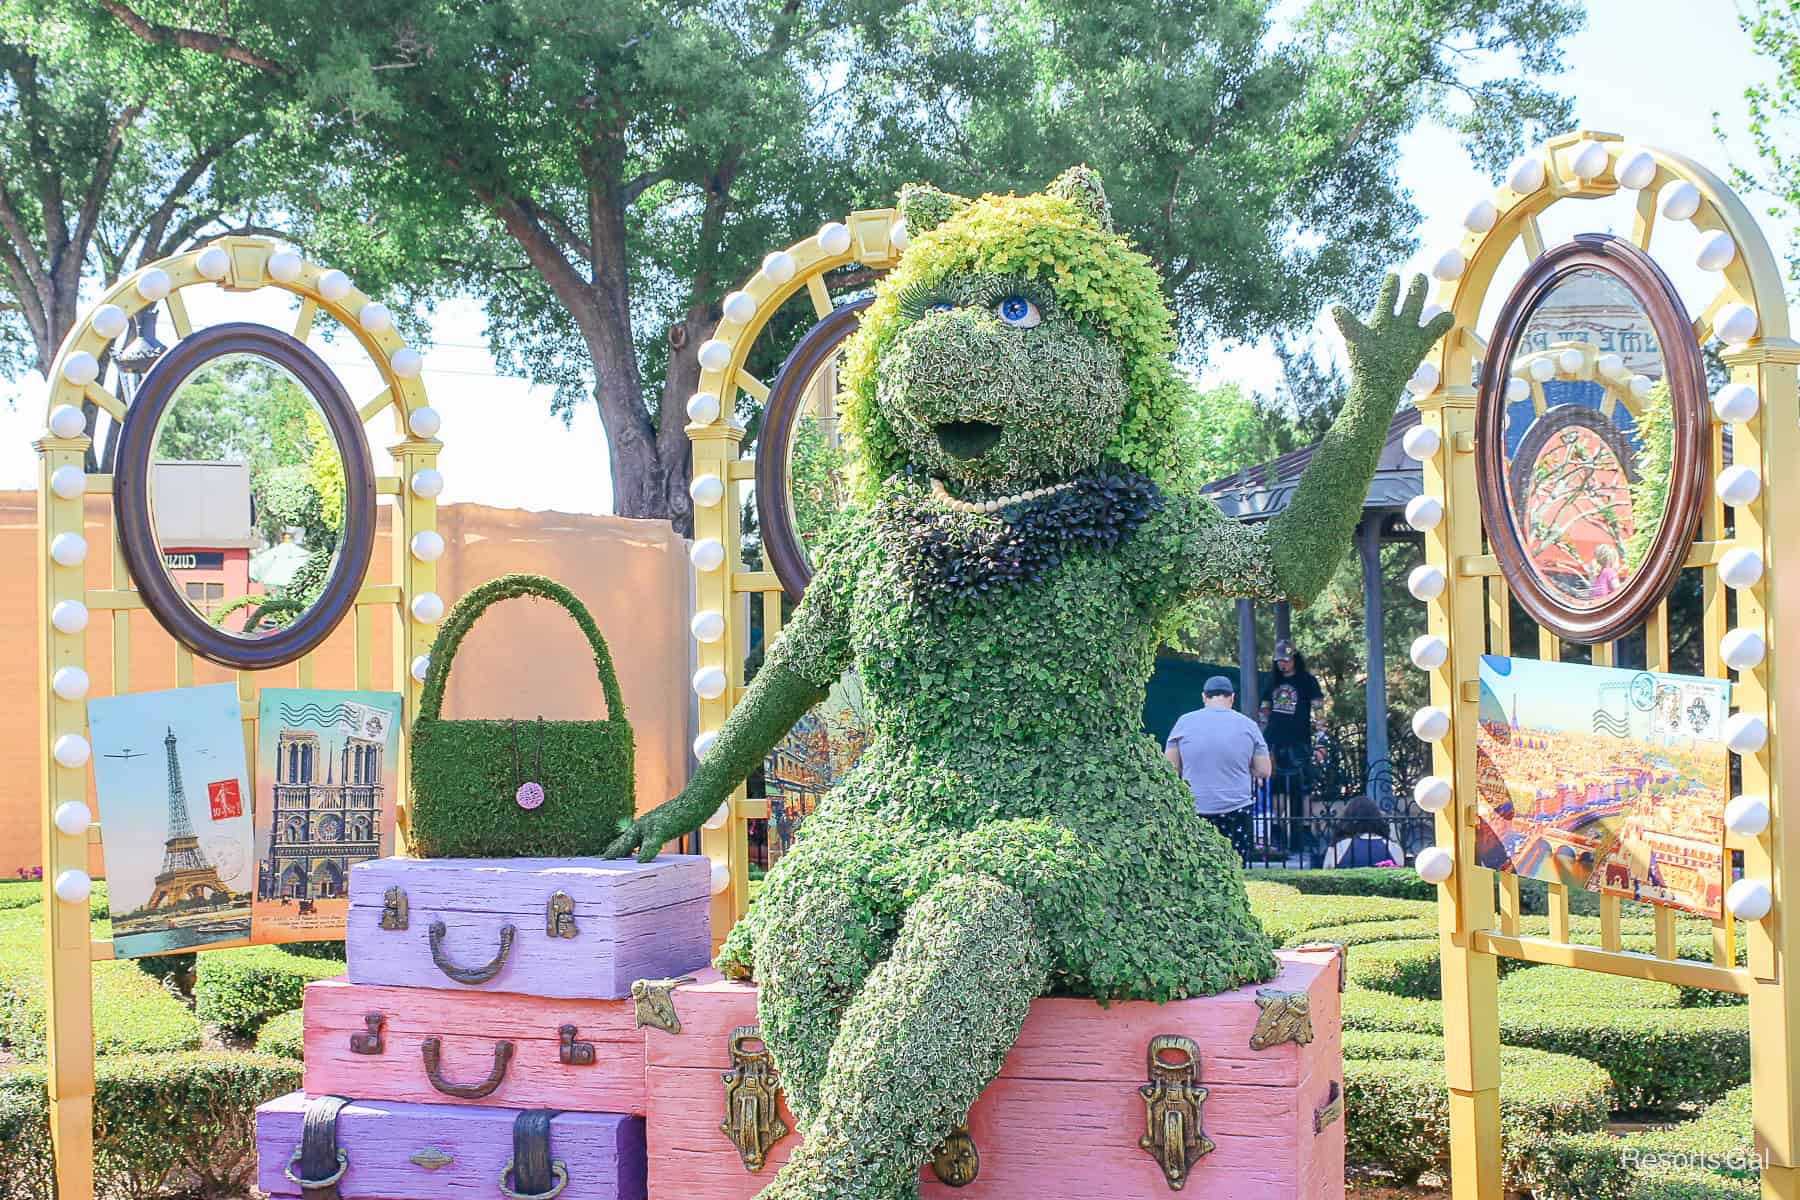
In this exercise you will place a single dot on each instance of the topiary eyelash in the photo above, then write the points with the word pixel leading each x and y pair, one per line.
pixel 916 299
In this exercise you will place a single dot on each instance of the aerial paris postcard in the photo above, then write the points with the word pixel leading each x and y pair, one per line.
pixel 174 795
pixel 1602 778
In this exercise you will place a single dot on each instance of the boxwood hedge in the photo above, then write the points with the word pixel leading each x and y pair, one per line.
pixel 1291 919
pixel 282 1036
pixel 237 990
pixel 1712 1157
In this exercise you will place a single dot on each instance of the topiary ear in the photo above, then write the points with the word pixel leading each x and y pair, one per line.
pixel 1081 187
pixel 923 207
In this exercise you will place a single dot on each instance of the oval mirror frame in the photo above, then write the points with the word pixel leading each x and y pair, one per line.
pixel 774 508
pixel 1686 377
pixel 137 532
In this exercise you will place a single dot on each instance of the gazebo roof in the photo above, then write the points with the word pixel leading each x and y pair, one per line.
pixel 1258 493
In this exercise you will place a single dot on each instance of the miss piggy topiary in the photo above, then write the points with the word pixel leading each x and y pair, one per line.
pixel 1026 524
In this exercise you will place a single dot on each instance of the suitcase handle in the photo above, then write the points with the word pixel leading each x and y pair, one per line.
pixel 556 1168
pixel 470 975
pixel 432 1050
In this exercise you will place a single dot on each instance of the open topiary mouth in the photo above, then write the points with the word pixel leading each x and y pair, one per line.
pixel 967 439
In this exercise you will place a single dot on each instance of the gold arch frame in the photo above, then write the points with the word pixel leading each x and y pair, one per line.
pixel 70 948
pixel 1472 611
pixel 863 237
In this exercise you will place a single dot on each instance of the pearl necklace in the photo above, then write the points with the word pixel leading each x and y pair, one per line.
pixel 988 506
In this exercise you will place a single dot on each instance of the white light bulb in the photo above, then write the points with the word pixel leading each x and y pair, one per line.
pixel 1747 816
pixel 428 608
pixel 720 815
pixel 1432 793
pixel 67 421
pixel 1526 174
pixel 424 421
pixel 1740 567
pixel 1680 200
pixel 1735 402
pixel 1587 160
pixel 1639 386
pixel 81 368
pixel 1424 512
pixel 421 667
pixel 1430 313
pixel 1749 899
pixel 1636 169
pixel 778 265
pixel 285 266
pixel 1449 265
pixel 70 683
pixel 1425 582
pixel 1746 733
pixel 1735 323
pixel 212 263
pixel 428 483
pixel 704 743
pixel 407 362
pixel 1738 485
pixel 715 355
pixel 703 408
pixel 721 878
pixel 71 750
pixel 334 285
pixel 1421 443
pixel 69 616
pixel 1435 864
pixel 709 683
pixel 707 554
pixel 72 818
pixel 68 481
pixel 834 238
pixel 1429 652
pixel 738 307
pixel 1610 366
pixel 108 321
pixel 153 284
pixel 73 886
pixel 1715 251
pixel 707 626
pixel 1424 380
pixel 1517 390
pixel 1569 361
pixel 68 549
pixel 1542 370
pixel 1481 216
pixel 427 545
pixel 375 317
pixel 707 490
pixel 898 238
pixel 1430 723
pixel 1742 649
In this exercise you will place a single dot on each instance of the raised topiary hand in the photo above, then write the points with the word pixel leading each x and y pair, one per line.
pixel 1026 524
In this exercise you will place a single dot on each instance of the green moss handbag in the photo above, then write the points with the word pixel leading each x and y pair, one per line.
pixel 517 789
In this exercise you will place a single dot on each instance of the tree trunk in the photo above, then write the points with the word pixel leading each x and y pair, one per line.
pixel 680 381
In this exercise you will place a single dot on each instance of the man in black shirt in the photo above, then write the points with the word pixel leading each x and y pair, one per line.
pixel 1289 695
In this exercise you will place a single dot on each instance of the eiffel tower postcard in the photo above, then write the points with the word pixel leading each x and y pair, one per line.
pixel 175 821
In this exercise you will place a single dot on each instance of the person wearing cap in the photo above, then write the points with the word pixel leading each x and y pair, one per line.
pixel 1221 754
pixel 1290 694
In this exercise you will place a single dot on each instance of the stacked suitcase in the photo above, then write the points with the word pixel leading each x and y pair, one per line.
pixel 484 1041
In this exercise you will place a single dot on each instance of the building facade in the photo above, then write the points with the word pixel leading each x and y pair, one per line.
pixel 322 826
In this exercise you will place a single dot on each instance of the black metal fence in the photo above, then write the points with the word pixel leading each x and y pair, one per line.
pixel 1299 815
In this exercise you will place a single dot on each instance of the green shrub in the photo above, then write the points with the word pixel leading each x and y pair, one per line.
pixel 1358 933
pixel 1659 1058
pixel 133 1013
pixel 1381 1012
pixel 162 1122
pixel 1398 1109
pixel 25 1172
pixel 1398 883
pixel 324 951
pixel 237 990
pixel 20 893
pixel 1361 1044
pixel 1290 919
pixel 1568 987
pixel 1712 1156
pixel 281 1036
pixel 1407 968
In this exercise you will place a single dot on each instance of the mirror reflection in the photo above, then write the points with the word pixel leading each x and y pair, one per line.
pixel 1587 437
pixel 818 464
pixel 247 496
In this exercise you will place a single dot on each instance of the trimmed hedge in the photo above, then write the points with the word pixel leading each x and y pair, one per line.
pixel 1408 968
pixel 161 1123
pixel 1712 1157
pixel 1567 987
pixel 133 1013
pixel 1359 933
pixel 237 990
pixel 1295 918
pixel 1398 1108
pixel 1396 883
pixel 282 1036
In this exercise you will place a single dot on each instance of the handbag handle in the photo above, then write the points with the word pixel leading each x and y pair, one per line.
pixel 505 587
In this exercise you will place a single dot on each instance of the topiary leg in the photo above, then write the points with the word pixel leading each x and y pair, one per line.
pixel 927 1032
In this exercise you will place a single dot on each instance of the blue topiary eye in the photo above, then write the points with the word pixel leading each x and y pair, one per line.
pixel 1018 312
pixel 941 306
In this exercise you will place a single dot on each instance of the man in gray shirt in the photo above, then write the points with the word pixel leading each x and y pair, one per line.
pixel 1221 753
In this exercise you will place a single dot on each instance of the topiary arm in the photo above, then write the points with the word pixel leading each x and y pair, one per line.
pixel 1308 537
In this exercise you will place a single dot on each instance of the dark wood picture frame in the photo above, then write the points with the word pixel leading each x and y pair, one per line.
pixel 774 508
pixel 136 524
pixel 1685 373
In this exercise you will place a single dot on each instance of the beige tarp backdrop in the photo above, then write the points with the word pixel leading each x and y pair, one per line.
pixel 525 659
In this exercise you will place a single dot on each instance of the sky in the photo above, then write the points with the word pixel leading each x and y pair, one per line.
pixel 1654 71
